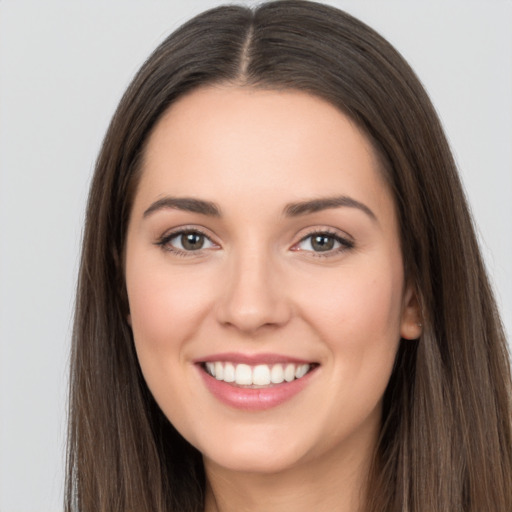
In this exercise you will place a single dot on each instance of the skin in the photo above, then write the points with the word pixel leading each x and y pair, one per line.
pixel 257 286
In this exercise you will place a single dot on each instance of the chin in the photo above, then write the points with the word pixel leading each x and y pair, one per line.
pixel 253 461
pixel 254 455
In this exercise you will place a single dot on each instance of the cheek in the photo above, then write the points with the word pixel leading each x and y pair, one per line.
pixel 357 316
pixel 356 303
pixel 166 306
pixel 359 322
pixel 166 309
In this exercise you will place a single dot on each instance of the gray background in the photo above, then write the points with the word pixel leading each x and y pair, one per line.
pixel 64 66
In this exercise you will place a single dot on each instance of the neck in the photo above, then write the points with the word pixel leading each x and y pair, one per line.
pixel 335 481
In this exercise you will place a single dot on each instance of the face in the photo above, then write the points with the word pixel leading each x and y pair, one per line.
pixel 265 279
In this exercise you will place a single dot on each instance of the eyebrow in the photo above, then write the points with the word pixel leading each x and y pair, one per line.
pixel 187 204
pixel 296 209
pixel 316 205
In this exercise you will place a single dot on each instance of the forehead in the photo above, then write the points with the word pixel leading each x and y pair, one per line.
pixel 233 142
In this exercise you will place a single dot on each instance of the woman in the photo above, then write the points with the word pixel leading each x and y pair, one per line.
pixel 281 302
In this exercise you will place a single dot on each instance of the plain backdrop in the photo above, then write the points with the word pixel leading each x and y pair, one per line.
pixel 63 68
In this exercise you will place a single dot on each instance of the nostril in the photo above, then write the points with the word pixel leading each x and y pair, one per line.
pixel 251 318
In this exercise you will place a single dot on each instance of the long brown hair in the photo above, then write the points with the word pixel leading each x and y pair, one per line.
pixel 446 439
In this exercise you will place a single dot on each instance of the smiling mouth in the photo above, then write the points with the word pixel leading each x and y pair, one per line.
pixel 256 376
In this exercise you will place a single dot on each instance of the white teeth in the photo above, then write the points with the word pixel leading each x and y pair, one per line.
pixel 219 371
pixel 289 372
pixel 301 370
pixel 229 372
pixel 243 374
pixel 277 374
pixel 259 375
pixel 210 367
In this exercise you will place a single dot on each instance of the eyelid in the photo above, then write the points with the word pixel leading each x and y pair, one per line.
pixel 163 241
pixel 346 241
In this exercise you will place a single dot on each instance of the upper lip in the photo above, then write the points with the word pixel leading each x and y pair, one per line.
pixel 251 359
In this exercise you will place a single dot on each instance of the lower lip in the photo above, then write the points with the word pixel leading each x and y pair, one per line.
pixel 251 399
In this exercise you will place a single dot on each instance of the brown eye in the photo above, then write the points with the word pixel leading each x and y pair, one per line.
pixel 192 241
pixel 186 241
pixel 322 242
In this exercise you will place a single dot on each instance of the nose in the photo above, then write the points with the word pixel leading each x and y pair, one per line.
pixel 254 295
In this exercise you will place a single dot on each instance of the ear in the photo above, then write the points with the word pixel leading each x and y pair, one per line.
pixel 411 323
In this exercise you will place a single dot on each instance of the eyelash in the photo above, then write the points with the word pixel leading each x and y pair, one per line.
pixel 345 243
pixel 164 241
